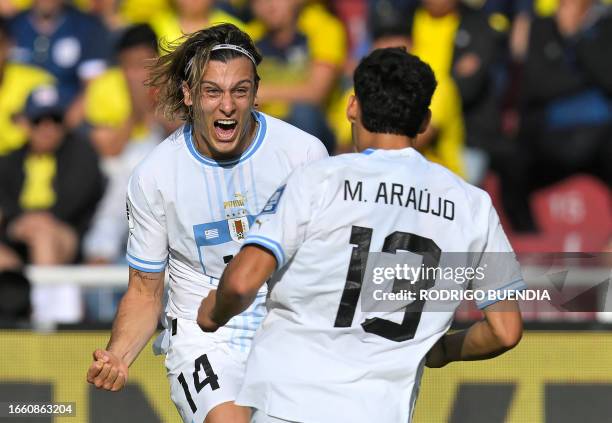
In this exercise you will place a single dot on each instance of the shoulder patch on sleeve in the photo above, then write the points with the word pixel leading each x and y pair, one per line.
pixel 272 203
pixel 130 218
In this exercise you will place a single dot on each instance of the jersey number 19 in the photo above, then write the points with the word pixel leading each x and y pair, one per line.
pixel 361 238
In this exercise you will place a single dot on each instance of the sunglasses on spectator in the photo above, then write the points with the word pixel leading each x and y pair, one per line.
pixel 55 118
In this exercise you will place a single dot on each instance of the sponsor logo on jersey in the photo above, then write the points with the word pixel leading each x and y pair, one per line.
pixel 239 201
pixel 238 228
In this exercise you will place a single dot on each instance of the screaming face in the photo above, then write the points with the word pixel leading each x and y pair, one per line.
pixel 222 121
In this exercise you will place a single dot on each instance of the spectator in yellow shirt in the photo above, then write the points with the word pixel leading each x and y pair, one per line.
pixel 48 193
pixel 120 13
pixel 49 189
pixel 121 109
pixel 304 49
pixel 443 141
pixel 16 82
pixel 188 16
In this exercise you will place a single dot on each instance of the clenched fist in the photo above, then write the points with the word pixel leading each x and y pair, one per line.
pixel 204 319
pixel 108 371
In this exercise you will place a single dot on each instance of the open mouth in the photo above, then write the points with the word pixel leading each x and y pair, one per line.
pixel 225 128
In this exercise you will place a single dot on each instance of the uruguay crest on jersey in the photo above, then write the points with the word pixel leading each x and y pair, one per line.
pixel 237 217
pixel 238 227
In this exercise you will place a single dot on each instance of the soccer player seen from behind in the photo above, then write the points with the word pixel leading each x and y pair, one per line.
pixel 190 204
pixel 322 353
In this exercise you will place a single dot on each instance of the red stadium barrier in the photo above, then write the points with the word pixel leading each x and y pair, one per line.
pixel 579 203
pixel 573 215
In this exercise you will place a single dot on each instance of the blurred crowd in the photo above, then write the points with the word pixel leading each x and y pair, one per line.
pixel 524 99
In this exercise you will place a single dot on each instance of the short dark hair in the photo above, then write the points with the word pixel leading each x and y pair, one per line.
pixel 186 59
pixel 136 36
pixel 394 89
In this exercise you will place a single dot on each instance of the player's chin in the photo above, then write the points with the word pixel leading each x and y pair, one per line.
pixel 227 148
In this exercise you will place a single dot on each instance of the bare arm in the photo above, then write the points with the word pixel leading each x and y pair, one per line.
pixel 241 280
pixel 134 325
pixel 137 315
pixel 500 331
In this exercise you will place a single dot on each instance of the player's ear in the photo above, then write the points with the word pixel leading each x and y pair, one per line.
pixel 186 94
pixel 352 109
pixel 426 121
pixel 256 98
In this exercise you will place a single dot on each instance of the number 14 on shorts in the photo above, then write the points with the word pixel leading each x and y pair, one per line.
pixel 211 379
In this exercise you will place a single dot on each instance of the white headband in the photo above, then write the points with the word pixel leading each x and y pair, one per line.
pixel 235 48
pixel 225 47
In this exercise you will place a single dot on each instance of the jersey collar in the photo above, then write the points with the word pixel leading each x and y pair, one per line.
pixel 255 144
pixel 402 152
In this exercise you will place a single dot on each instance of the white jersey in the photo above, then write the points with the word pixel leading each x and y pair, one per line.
pixel 320 354
pixel 192 213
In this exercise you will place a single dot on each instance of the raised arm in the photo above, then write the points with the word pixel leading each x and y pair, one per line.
pixel 134 325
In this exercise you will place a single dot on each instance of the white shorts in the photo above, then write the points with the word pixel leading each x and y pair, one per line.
pixel 259 416
pixel 203 370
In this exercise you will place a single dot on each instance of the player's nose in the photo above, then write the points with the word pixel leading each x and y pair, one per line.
pixel 227 105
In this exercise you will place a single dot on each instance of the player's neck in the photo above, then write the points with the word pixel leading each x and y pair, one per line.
pixel 386 142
